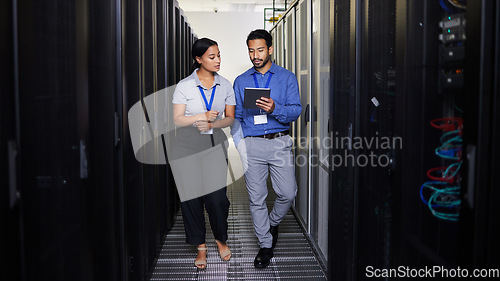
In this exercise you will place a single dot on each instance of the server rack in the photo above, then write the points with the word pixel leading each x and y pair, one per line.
pixel 273 55
pixel 178 38
pixel 170 68
pixel 152 176
pixel 320 132
pixel 398 71
pixel 187 55
pixel 280 55
pixel 187 58
pixel 160 77
pixel 424 98
pixel 182 35
pixel 104 219
pixel 481 127
pixel 90 208
pixel 133 171
pixel 11 262
pixel 290 49
pixel 375 122
pixel 53 125
pixel 344 86
pixel 302 145
pixel 305 27
pixel 171 42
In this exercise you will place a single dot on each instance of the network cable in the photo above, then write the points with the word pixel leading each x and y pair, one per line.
pixel 444 200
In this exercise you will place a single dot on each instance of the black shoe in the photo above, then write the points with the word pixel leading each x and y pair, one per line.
pixel 274 233
pixel 263 258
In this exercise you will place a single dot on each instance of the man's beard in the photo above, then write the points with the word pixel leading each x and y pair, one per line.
pixel 263 63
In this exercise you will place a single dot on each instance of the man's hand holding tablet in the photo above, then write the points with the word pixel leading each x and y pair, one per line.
pixel 253 98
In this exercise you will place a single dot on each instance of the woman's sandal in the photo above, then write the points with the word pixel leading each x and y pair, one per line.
pixel 225 255
pixel 201 264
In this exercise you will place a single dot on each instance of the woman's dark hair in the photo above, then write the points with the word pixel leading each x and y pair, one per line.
pixel 261 34
pixel 200 46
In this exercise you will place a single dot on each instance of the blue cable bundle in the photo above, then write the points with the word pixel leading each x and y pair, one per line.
pixel 444 200
pixel 443 192
pixel 451 146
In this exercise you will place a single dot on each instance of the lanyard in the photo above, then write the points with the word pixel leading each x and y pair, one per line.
pixel 257 83
pixel 207 104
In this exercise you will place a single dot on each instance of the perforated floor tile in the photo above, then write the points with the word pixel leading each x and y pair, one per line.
pixel 293 257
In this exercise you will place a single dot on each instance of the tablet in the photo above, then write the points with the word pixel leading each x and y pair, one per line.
pixel 253 94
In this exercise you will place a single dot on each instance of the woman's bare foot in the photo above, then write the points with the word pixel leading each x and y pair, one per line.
pixel 224 251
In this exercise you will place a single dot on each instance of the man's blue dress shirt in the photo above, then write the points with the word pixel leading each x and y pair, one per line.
pixel 284 92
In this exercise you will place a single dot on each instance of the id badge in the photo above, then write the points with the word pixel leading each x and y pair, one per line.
pixel 260 119
pixel 207 132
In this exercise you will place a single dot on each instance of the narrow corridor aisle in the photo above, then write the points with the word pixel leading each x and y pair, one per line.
pixel 293 256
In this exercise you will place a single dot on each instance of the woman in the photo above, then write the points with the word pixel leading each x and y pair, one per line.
pixel 199 159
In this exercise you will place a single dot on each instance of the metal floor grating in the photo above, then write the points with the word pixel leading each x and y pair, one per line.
pixel 293 257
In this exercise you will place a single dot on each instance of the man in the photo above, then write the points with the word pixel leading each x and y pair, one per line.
pixel 267 143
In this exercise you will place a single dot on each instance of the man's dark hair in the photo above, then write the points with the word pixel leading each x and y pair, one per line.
pixel 261 34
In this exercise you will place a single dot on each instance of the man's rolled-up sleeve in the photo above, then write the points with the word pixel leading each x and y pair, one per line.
pixel 291 109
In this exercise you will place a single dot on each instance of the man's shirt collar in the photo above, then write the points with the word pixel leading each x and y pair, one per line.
pixel 272 69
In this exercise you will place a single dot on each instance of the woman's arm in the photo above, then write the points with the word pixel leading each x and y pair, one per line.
pixel 182 121
pixel 228 120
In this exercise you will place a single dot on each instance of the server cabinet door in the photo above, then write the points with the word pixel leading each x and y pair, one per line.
pixel 106 230
pixel 187 59
pixel 376 126
pixel 53 126
pixel 171 69
pixel 154 175
pixel 178 44
pixel 11 235
pixel 481 128
pixel 289 41
pixel 343 186
pixel 133 173
pixel 171 43
pixel 187 54
pixel 320 140
pixel 164 183
pixel 189 45
pixel 428 233
pixel 290 58
pixel 182 41
pixel 279 45
pixel 275 39
pixel 303 122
